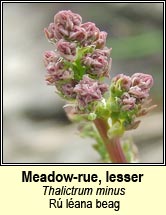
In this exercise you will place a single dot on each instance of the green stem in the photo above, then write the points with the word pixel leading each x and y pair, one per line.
pixel 112 145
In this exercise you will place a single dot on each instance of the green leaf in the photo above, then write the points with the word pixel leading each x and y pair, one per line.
pixel 92 116
pixel 116 129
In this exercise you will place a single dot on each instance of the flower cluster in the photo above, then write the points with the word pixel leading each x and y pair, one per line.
pixel 79 60
pixel 129 96
pixel 98 62
pixel 68 25
pixel 76 67
pixel 89 90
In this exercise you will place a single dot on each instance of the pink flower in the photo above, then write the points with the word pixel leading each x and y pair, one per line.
pixel 123 81
pixel 52 79
pixel 66 49
pixel 98 63
pixel 141 84
pixel 50 57
pixel 89 90
pixel 127 102
pixel 53 67
pixel 92 32
pixel 67 19
pixel 139 93
pixel 101 41
pixel 60 32
pixel 56 72
pixel 67 90
pixel 104 52
pixel 50 31
pixel 144 81
pixel 65 23
pixel 78 34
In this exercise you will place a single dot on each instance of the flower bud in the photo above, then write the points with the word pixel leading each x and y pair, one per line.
pixel 78 34
pixel 67 90
pixel 89 90
pixel 60 32
pixel 53 67
pixel 144 81
pixel 59 75
pixel 106 52
pixel 66 49
pixel 50 31
pixel 98 63
pixel 91 30
pixel 123 81
pixel 56 72
pixel 139 93
pixel 50 57
pixel 101 41
pixel 68 19
pixel 127 102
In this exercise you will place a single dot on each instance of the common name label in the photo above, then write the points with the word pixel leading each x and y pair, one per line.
pixel 62 192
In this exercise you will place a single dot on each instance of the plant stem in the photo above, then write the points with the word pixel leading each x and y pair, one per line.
pixel 112 145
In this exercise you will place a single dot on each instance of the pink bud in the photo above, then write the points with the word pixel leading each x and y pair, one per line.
pixel 91 30
pixel 66 24
pixel 56 72
pixel 127 102
pixel 50 80
pixel 49 32
pixel 139 93
pixel 78 34
pixel 102 52
pixel 89 90
pixel 68 19
pixel 101 41
pixel 60 32
pixel 98 63
pixel 66 49
pixel 123 81
pixel 67 90
pixel 58 75
pixel 50 56
pixel 53 67
pixel 144 81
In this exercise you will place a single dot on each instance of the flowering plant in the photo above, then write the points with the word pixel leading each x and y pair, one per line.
pixel 77 68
